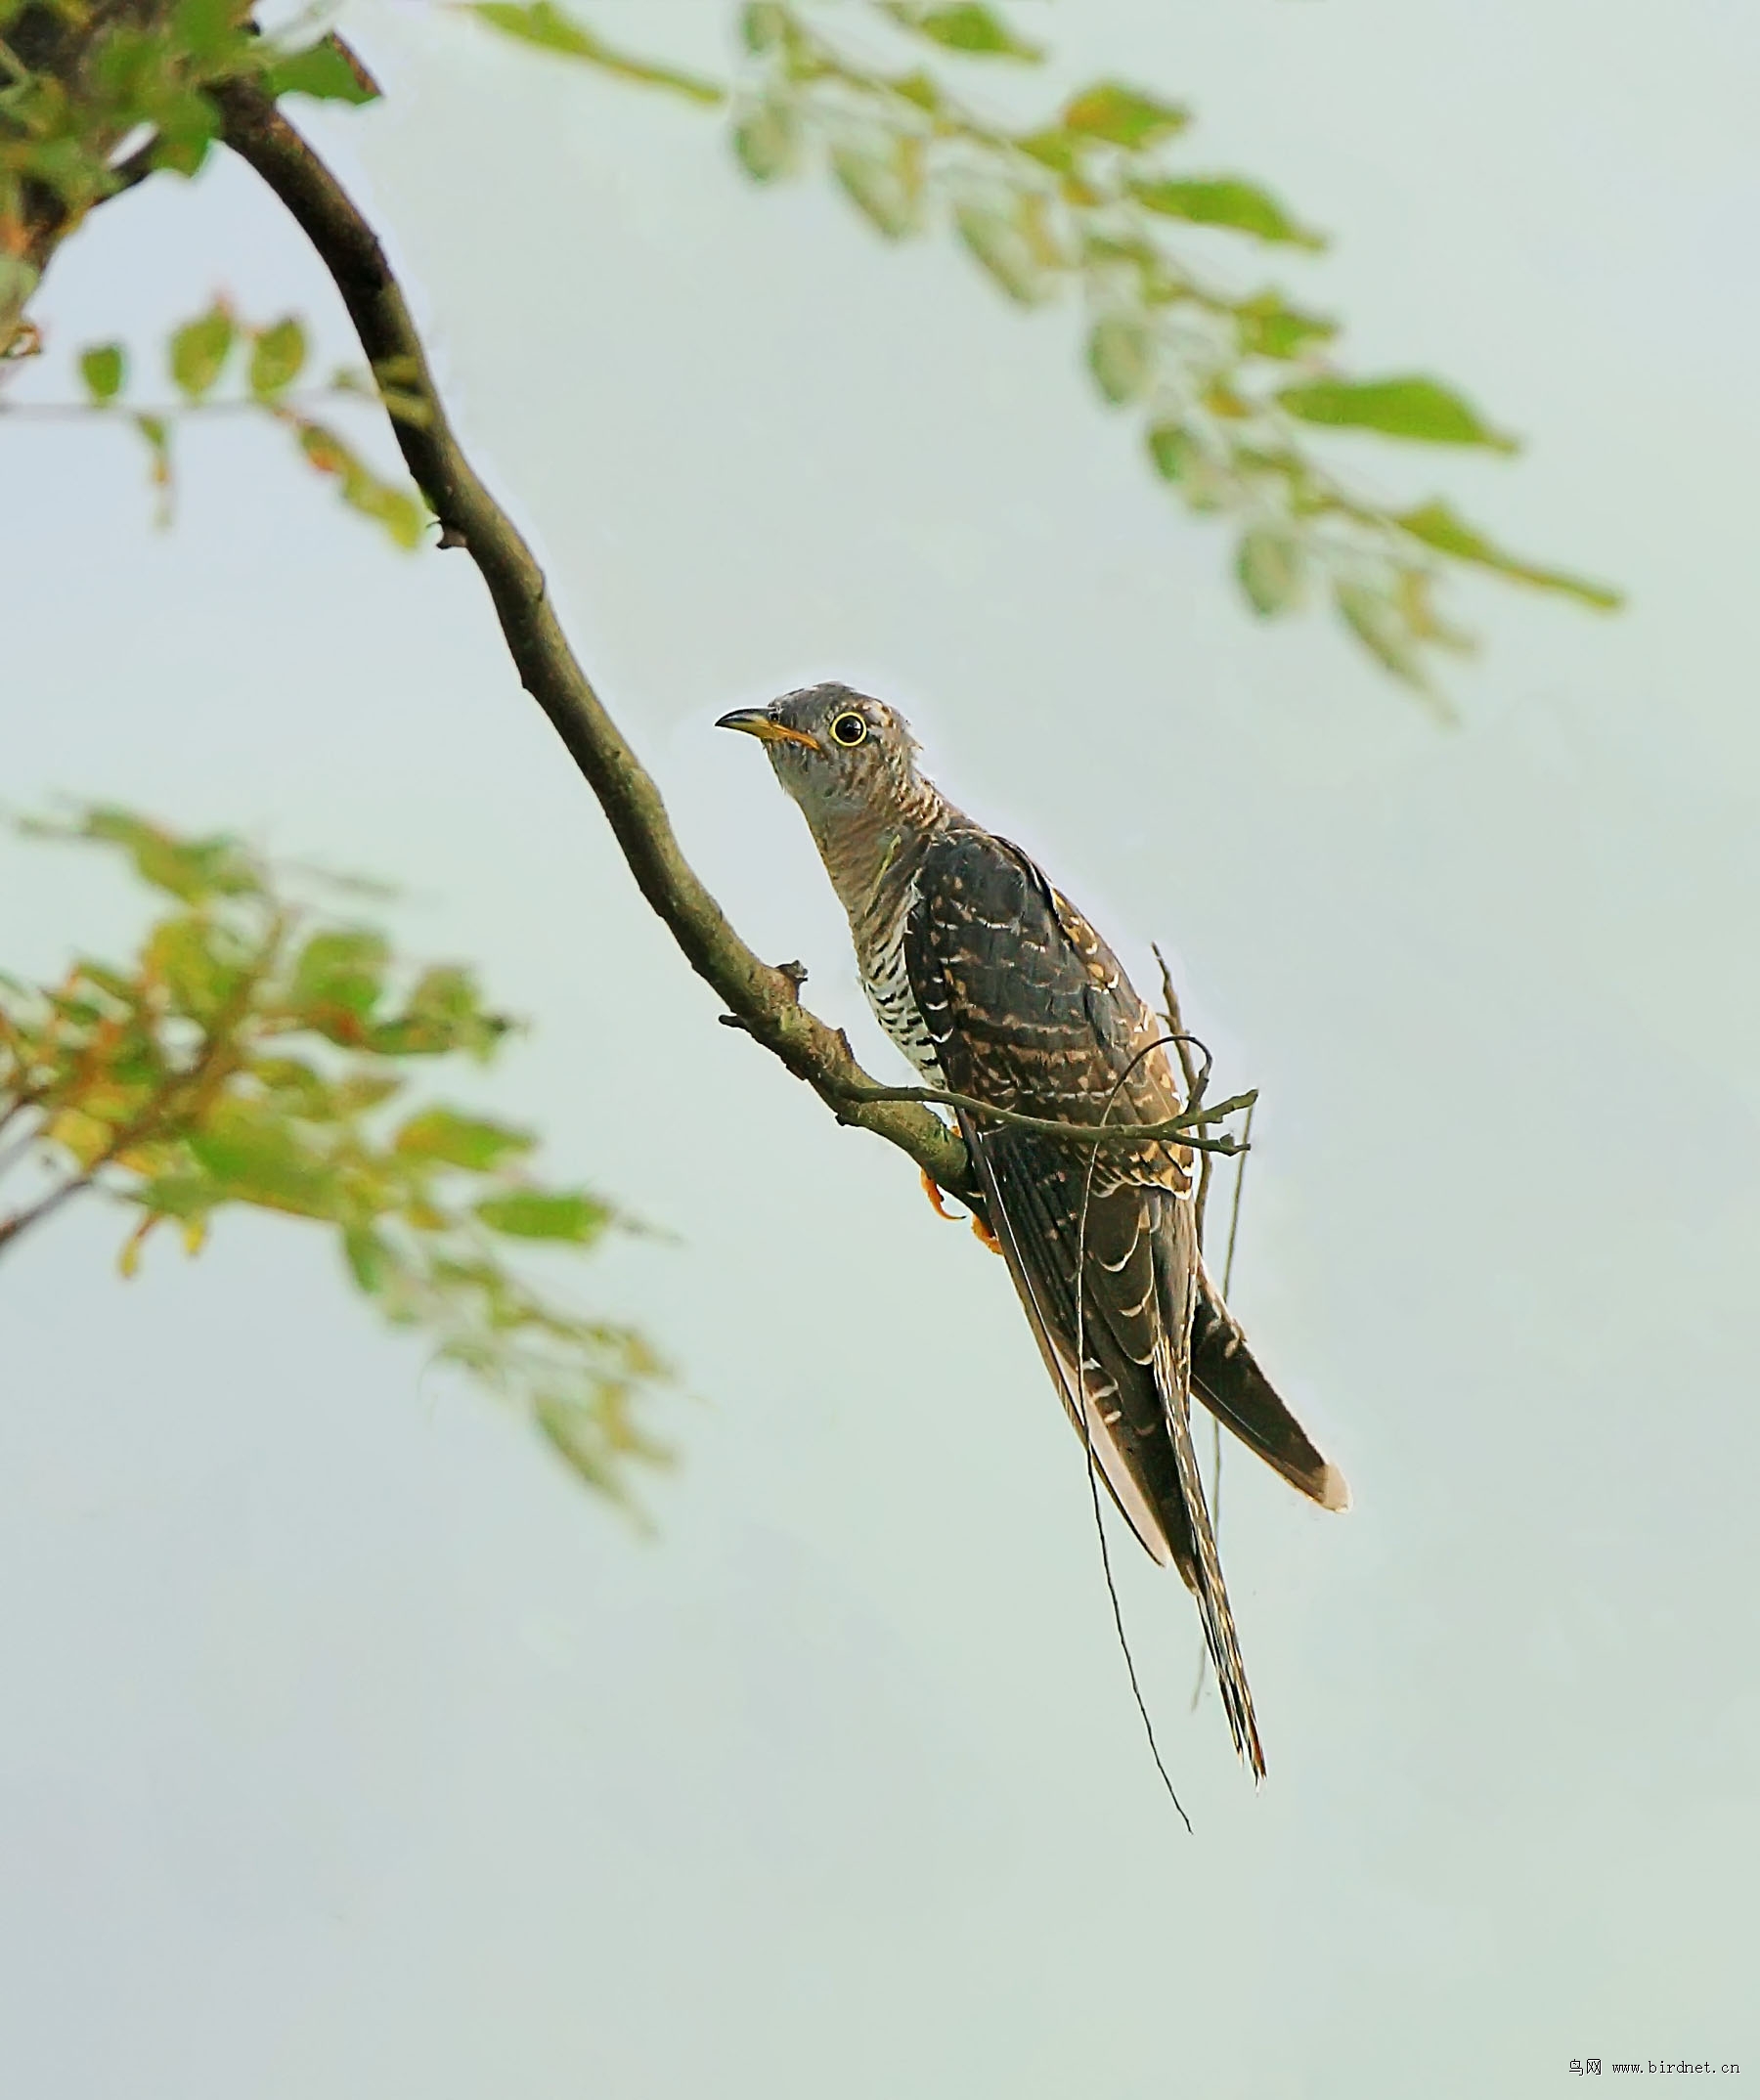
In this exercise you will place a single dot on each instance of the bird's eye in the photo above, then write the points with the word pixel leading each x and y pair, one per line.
pixel 850 729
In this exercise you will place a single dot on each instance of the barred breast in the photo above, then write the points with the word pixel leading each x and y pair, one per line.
pixel 881 955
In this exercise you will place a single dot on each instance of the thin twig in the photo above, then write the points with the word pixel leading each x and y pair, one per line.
pixel 279 406
pixel 135 167
pixel 1234 1226
pixel 45 1207
pixel 1234 1208
pixel 1181 1126
pixel 1201 1206
pixel 20 1147
pixel 1195 1082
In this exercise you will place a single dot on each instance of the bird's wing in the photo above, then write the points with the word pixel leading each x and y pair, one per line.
pixel 1028 1009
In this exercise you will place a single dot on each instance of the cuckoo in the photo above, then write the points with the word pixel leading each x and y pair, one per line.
pixel 995 986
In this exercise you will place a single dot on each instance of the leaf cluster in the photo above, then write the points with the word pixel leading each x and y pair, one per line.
pixel 1229 386
pixel 256 1052
pixel 1239 400
pixel 268 362
pixel 76 82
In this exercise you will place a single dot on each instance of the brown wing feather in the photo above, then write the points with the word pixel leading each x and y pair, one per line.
pixel 1028 1008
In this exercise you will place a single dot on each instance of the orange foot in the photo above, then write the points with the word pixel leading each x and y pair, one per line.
pixel 932 1190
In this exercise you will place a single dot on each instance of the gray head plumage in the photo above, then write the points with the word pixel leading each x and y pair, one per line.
pixel 840 754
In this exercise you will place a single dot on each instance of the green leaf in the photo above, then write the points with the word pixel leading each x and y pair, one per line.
pixel 539 22
pixel 1173 449
pixel 370 1258
pixel 1242 207
pixel 1007 248
pixel 1269 565
pixel 207 30
pixel 276 358
pixel 200 964
pixel 363 1089
pixel 1268 327
pixel 1121 115
pixel 453 1140
pixel 190 869
pixel 538 1215
pixel 1406 406
pixel 199 350
pixel 1376 622
pixel 188 123
pixel 445 1012
pixel 918 89
pixel 1437 526
pixel 337 980
pixel 325 72
pixel 767 140
pixel 577 1437
pixel 1179 457
pixel 104 368
pixel 888 192
pixel 1054 150
pixel 397 509
pixel 764 25
pixel 296 1089
pixel 257 1159
pixel 178 1196
pixel 157 436
pixel 978 32
pixel 1122 354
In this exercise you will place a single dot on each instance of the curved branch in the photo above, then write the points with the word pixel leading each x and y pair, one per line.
pixel 764 1001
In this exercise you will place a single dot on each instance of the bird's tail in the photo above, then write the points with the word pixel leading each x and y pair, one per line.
pixel 1227 1379
pixel 1202 1568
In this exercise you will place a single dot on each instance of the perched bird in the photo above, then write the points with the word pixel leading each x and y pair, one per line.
pixel 995 986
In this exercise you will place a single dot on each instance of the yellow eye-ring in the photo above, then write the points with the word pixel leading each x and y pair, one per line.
pixel 850 729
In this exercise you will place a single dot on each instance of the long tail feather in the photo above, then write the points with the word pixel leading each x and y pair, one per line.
pixel 1227 1379
pixel 1204 1574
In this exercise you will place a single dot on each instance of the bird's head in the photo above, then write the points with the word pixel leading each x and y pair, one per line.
pixel 839 753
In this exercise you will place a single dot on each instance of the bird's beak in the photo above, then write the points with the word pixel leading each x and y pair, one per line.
pixel 756 723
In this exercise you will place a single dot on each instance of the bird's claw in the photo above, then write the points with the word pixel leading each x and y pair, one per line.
pixel 932 1190
pixel 980 1226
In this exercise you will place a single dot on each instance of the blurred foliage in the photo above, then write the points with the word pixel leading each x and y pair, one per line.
pixel 78 80
pixel 1228 387
pixel 94 95
pixel 267 365
pixel 255 1052
pixel 537 22
pixel 1233 384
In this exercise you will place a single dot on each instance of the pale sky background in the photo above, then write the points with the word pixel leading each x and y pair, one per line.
pixel 347 1747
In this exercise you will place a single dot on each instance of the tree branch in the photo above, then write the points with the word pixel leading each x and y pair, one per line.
pixel 765 1001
